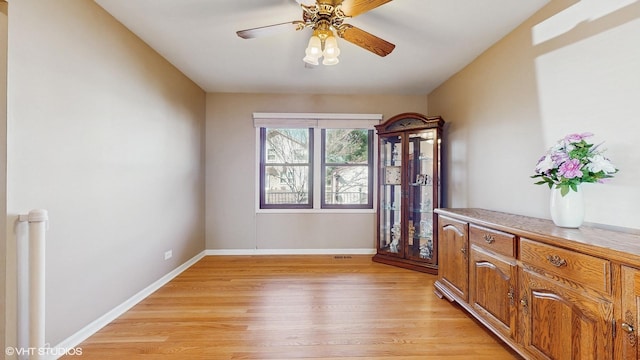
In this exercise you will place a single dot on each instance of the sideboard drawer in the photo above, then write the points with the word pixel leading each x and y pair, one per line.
pixel 496 241
pixel 586 270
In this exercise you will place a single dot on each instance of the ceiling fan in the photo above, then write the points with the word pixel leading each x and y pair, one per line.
pixel 325 17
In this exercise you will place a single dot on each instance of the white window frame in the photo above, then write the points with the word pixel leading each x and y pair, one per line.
pixel 317 121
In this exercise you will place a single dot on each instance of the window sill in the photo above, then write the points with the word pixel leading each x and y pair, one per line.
pixel 315 211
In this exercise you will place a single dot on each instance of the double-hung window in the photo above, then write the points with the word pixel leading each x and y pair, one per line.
pixel 347 168
pixel 315 161
pixel 286 167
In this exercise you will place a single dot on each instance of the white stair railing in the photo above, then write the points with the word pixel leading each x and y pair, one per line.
pixel 31 286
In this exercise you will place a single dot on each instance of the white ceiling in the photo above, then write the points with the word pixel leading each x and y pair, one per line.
pixel 434 39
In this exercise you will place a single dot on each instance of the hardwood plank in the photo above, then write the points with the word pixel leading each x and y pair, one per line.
pixel 295 307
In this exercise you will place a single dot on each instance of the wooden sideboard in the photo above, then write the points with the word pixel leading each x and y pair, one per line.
pixel 548 292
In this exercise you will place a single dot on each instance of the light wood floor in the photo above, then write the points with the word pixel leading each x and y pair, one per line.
pixel 295 307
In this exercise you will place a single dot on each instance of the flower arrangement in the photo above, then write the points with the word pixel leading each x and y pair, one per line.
pixel 571 162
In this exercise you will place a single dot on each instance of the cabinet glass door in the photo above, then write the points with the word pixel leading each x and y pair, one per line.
pixel 390 195
pixel 421 200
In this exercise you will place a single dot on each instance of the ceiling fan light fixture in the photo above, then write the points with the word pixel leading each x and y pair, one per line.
pixel 320 45
pixel 313 51
pixel 331 47
pixel 331 51
pixel 327 19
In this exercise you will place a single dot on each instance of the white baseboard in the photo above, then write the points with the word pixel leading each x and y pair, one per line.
pixel 291 252
pixel 84 333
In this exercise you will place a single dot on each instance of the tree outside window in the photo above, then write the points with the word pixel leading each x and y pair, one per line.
pixel 347 168
pixel 287 168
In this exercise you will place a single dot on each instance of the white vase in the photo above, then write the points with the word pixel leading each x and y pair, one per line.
pixel 567 211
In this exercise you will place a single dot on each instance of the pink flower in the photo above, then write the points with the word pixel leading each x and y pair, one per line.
pixel 574 138
pixel 570 169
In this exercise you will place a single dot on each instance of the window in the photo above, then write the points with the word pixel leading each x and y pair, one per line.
pixel 314 164
pixel 347 168
pixel 285 170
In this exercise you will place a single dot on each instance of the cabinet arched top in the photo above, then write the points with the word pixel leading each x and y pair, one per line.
pixel 410 121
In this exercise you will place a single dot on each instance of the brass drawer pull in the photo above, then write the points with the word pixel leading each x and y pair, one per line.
pixel 489 239
pixel 626 327
pixel 556 260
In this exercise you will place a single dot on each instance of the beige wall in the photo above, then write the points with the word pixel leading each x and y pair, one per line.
pixel 232 222
pixel 572 67
pixel 108 137
pixel 4 12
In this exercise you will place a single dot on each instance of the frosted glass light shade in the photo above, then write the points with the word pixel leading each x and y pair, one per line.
pixel 313 51
pixel 331 47
pixel 330 61
pixel 331 51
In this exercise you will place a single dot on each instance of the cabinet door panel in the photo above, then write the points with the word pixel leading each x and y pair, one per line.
pixel 492 285
pixel 454 247
pixel 629 324
pixel 423 195
pixel 390 197
pixel 560 323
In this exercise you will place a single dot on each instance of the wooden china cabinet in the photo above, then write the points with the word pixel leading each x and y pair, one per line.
pixel 409 186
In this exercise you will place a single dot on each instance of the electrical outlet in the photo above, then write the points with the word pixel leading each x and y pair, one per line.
pixel 168 254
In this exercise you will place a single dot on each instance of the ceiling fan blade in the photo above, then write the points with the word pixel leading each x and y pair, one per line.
pixel 271 29
pixel 365 40
pixel 356 7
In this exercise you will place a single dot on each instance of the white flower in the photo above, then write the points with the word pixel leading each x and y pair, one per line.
pixel 569 147
pixel 558 147
pixel 545 164
pixel 599 163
